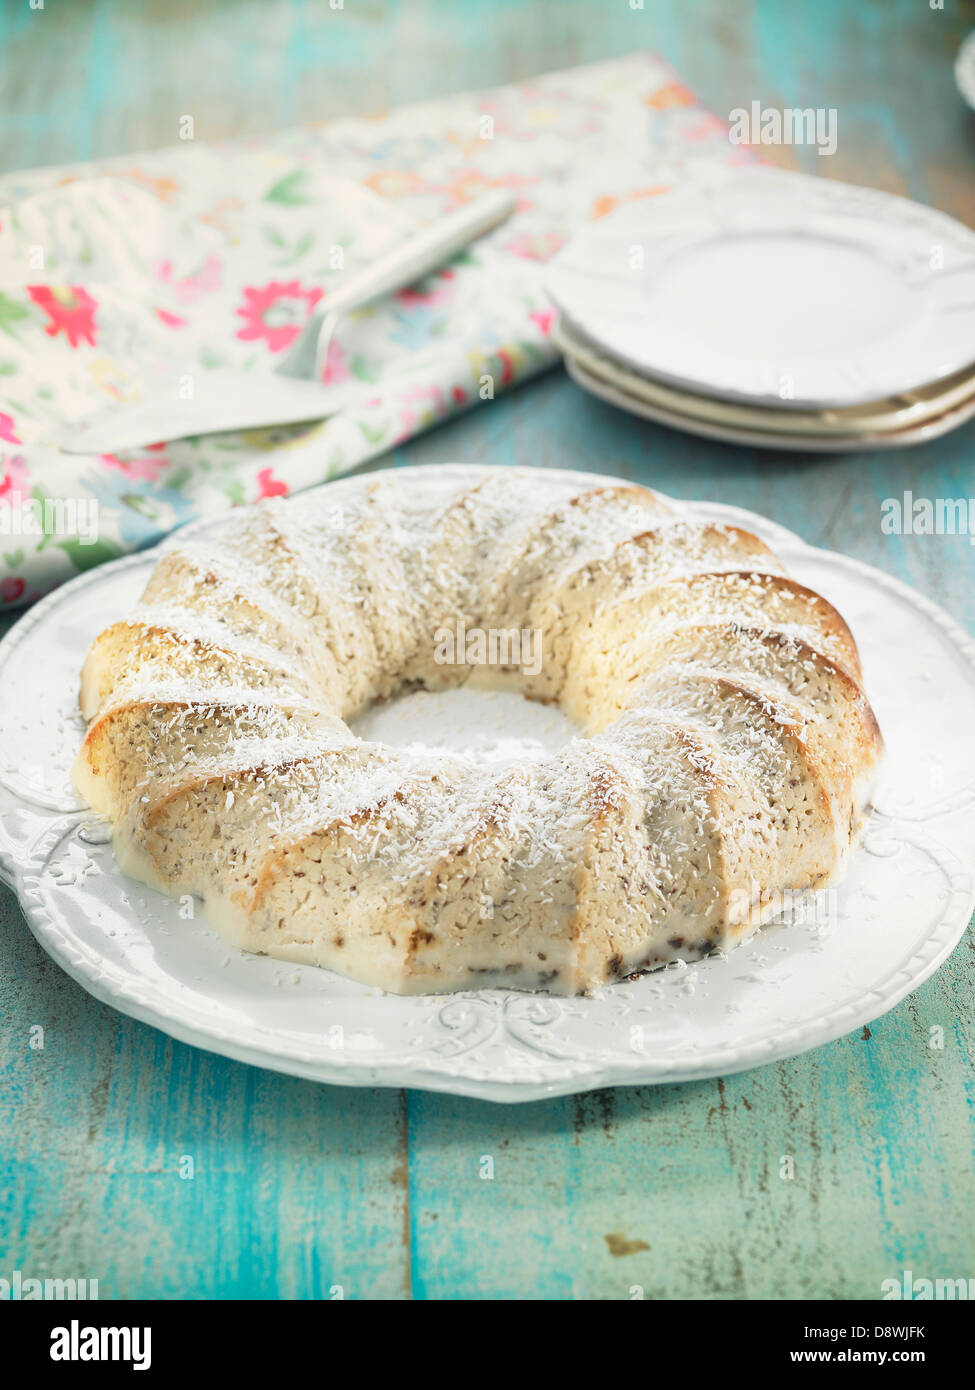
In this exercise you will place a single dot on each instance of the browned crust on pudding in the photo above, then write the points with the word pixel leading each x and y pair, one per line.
pixel 726 754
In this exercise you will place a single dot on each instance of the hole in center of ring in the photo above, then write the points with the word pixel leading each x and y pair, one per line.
pixel 490 726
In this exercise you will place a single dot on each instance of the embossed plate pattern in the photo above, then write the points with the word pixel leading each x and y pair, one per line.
pixel 850 955
pixel 775 288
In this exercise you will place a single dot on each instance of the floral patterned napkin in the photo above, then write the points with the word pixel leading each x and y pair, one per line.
pixel 214 256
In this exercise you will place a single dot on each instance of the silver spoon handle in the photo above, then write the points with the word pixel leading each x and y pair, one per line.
pixel 428 249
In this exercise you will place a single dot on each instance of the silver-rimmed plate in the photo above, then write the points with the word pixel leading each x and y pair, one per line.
pixel 614 391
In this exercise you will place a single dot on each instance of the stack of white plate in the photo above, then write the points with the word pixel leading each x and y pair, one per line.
pixel 777 310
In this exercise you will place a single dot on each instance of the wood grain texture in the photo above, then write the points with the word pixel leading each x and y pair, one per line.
pixel 674 1191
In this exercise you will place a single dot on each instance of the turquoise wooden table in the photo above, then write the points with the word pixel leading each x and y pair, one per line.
pixel 305 1191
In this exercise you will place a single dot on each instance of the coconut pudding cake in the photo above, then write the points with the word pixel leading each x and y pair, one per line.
pixel 725 751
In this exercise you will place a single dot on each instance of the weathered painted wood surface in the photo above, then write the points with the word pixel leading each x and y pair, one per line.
pixel 300 1189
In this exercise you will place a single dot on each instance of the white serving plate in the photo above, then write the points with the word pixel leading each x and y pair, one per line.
pixel 888 923
pixel 616 393
pixel 893 417
pixel 774 287
pixel 965 70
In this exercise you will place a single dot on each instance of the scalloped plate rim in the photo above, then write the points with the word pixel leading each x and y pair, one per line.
pixel 440 1076
pixel 819 382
